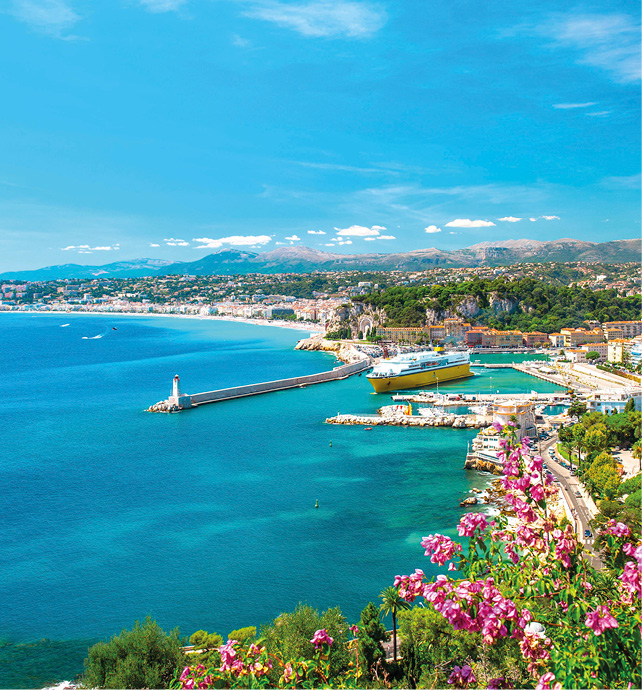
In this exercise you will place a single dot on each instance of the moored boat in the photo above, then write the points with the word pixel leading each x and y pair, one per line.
pixel 416 369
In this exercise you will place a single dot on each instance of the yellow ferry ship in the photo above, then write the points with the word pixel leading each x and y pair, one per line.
pixel 418 369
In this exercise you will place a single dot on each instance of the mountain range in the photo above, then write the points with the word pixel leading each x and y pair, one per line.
pixel 298 259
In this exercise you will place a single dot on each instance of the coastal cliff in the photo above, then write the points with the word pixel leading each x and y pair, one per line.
pixel 345 352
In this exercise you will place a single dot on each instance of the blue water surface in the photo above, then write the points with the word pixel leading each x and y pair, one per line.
pixel 203 519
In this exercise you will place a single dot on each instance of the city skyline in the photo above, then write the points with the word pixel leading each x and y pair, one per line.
pixel 172 128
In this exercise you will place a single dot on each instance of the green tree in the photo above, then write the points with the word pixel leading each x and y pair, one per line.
pixel 630 405
pixel 592 356
pixel 577 409
pixel 290 633
pixel 392 603
pixel 206 648
pixel 144 657
pixel 243 635
pixel 371 634
pixel 596 438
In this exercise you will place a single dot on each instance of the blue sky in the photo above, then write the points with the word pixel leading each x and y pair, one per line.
pixel 171 128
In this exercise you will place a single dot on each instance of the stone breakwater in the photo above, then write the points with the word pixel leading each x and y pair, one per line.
pixel 454 421
pixel 163 406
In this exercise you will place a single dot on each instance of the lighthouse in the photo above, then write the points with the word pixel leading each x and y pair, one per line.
pixel 177 399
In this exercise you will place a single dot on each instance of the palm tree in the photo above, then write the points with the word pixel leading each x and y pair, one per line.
pixel 392 602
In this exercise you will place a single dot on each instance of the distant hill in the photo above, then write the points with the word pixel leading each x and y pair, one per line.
pixel 303 260
pixel 135 268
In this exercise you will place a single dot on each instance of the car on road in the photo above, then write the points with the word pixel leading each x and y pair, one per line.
pixel 587 533
pixel 577 493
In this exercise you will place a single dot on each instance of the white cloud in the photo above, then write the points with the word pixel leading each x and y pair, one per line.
pixel 234 241
pixel 600 113
pixel 359 231
pixel 532 219
pixel 550 217
pixel 172 242
pixel 432 229
pixel 607 41
pixel 322 18
pixel 510 219
pixel 341 242
pixel 153 244
pixel 51 17
pixel 452 232
pixel 162 5
pixel 370 239
pixel 467 223
pixel 240 42
pixel 87 249
pixel 316 232
pixel 330 244
pixel 386 237
pixel 571 106
pixel 293 238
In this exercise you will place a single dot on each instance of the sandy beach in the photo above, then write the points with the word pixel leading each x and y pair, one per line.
pixel 311 328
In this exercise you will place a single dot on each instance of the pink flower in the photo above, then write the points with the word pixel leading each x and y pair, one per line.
pixel 469 522
pixel 320 638
pixel 288 673
pixel 185 674
pixel 461 677
pixel 354 629
pixel 544 683
pixel 617 529
pixel 440 548
pixel 600 620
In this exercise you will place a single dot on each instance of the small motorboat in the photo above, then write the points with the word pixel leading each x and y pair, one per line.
pixel 368 428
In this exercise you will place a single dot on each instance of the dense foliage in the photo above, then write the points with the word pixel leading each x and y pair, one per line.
pixel 144 657
pixel 588 443
pixel 535 306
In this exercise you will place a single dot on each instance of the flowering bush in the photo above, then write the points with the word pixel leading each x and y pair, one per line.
pixel 525 587
pixel 248 666
pixel 575 626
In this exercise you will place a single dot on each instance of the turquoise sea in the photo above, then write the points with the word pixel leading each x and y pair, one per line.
pixel 203 519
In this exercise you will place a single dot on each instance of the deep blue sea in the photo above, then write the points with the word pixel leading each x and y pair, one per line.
pixel 203 519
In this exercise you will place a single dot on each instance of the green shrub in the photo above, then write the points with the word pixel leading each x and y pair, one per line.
pixel 144 657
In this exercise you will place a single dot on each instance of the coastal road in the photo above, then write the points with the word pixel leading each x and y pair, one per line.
pixel 571 487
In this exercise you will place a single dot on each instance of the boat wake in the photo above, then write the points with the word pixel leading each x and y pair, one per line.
pixel 95 337
pixel 64 325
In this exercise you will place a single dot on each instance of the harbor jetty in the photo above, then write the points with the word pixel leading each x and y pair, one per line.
pixel 183 401
pixel 401 415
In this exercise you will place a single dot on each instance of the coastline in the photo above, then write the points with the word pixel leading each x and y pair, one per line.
pixel 312 329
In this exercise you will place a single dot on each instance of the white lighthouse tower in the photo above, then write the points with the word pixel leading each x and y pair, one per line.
pixel 177 399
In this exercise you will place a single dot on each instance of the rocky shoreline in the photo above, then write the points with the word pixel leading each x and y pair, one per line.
pixel 344 352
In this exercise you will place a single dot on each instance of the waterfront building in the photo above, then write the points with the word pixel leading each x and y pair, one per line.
pixel 576 355
pixel 612 401
pixel 626 329
pixel 616 350
pixel 574 337
pixel 600 348
pixel 486 444
pixel 534 339
pixel 556 339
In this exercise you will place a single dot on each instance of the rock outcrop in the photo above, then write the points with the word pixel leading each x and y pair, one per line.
pixel 473 463
pixel 343 351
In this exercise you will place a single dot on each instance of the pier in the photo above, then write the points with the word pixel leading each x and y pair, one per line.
pixel 183 401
